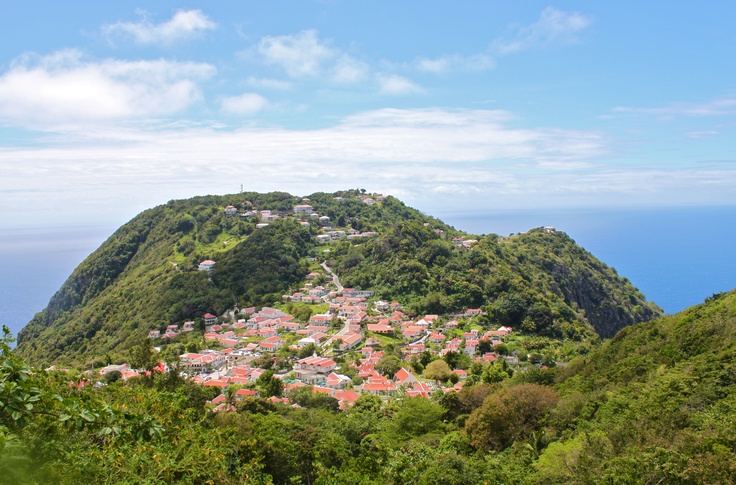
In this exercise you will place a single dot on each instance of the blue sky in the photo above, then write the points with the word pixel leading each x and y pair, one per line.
pixel 108 108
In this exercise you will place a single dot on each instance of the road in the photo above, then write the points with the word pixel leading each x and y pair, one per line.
pixel 335 279
pixel 346 327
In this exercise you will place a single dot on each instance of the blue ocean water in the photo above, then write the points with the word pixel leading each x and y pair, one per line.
pixel 676 256
pixel 34 262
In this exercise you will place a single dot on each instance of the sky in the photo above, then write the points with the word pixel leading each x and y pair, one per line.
pixel 110 108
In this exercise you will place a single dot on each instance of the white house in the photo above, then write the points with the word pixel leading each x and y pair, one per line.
pixel 207 265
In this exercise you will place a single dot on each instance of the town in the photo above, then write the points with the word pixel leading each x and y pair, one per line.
pixel 348 344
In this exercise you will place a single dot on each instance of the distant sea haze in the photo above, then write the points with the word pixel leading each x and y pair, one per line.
pixel 676 256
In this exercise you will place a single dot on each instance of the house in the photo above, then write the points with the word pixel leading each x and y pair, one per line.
pixel 207 265
pixel 153 334
pixel 337 381
pixel 380 327
pixel 312 329
pixel 379 389
pixel 303 209
pixel 420 389
pixel 322 365
pixel 412 331
pixel 437 337
pixel 231 210
pixel 404 377
pixel 209 319
pixel 350 340
pixel 346 398
pixel 381 306
pixel 320 319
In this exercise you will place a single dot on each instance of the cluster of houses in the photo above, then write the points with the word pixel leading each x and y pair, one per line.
pixel 172 331
pixel 268 329
pixel 307 214
pixel 231 364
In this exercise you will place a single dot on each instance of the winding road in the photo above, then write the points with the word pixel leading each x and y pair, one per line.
pixel 345 327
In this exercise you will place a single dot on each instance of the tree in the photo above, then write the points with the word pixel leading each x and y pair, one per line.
pixel 143 356
pixel 388 365
pixel 508 415
pixel 438 370
pixel 268 385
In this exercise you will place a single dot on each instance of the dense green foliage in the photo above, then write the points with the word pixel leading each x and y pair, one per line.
pixel 539 282
pixel 655 404
pixel 144 277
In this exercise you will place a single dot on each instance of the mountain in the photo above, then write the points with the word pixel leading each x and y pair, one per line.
pixel 145 276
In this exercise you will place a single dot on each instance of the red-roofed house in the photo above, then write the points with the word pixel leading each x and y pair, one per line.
pixel 404 377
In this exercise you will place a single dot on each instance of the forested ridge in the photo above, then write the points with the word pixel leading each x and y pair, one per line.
pixel 144 276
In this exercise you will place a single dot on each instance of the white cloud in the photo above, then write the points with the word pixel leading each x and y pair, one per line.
pixel 702 134
pixel 348 70
pixel 245 104
pixel 478 156
pixel 394 85
pixel 302 54
pixel 63 88
pixel 441 65
pixel 185 24
pixel 553 26
pixel 716 107
pixel 266 83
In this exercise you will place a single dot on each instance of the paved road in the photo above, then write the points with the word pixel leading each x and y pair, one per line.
pixel 335 279
pixel 345 327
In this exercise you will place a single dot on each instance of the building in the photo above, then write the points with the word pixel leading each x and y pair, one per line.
pixel 207 265
pixel 303 209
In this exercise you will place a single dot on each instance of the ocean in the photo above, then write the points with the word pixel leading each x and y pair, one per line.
pixel 676 256
pixel 34 262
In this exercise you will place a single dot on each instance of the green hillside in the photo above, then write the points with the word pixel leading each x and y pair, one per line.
pixel 655 404
pixel 144 277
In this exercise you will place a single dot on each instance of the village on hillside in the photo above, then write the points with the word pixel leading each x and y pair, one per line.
pixel 351 344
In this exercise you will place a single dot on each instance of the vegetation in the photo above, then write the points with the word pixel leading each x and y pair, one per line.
pixel 144 277
pixel 652 405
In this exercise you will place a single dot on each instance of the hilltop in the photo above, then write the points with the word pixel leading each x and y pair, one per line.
pixel 147 275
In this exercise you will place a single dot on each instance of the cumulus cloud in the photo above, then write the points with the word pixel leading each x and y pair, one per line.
pixel 245 104
pixel 302 54
pixel 65 88
pixel 553 26
pixel 395 85
pixel 185 24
